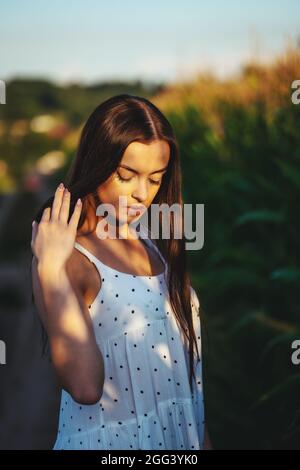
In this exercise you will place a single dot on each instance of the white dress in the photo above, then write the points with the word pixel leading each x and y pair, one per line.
pixel 147 402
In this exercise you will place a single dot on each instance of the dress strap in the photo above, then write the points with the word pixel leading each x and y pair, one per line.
pixel 86 252
pixel 153 245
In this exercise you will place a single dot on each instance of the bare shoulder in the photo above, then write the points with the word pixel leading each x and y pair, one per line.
pixel 83 277
pixel 76 268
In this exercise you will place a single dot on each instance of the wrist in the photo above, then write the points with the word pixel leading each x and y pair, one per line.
pixel 49 271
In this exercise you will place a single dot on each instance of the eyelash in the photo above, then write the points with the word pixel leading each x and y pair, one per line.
pixel 127 180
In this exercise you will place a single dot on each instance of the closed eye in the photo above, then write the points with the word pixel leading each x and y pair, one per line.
pixel 120 178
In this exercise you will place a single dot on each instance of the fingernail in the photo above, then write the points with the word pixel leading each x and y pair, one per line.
pixel 61 186
pixel 78 202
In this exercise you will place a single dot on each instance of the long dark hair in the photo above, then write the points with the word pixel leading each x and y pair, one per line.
pixel 111 127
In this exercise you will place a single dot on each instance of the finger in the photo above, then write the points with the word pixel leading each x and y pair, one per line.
pixel 57 202
pixel 46 215
pixel 76 215
pixel 65 207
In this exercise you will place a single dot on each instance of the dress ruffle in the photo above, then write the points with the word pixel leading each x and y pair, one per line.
pixel 171 427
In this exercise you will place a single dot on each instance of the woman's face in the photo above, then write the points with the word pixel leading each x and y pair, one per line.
pixel 138 177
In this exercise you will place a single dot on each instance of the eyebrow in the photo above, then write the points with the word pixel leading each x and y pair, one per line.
pixel 134 171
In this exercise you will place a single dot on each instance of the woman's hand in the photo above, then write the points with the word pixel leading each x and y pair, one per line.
pixel 53 238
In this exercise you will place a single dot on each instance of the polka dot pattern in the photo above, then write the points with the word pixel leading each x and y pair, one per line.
pixel 147 402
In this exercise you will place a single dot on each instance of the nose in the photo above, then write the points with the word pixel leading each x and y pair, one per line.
pixel 141 191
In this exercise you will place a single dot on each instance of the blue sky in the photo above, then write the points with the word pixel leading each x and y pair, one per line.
pixel 89 40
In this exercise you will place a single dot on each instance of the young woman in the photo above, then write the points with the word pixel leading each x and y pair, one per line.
pixel 120 313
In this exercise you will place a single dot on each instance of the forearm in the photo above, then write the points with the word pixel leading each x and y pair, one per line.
pixel 75 353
